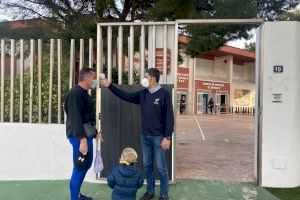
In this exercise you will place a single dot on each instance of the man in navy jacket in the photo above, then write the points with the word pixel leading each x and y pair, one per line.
pixel 157 126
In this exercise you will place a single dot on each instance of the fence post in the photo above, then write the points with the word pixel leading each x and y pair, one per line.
pixel 12 78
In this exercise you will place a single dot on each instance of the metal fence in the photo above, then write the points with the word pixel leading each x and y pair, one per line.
pixel 31 56
pixel 32 60
pixel 106 33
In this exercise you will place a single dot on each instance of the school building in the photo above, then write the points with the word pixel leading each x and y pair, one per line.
pixel 226 75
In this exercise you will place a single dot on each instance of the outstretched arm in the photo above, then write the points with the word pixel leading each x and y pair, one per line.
pixel 129 97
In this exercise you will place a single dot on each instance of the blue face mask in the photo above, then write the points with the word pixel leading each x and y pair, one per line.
pixel 94 84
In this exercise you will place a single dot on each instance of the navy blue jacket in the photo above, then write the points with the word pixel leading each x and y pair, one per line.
pixel 125 181
pixel 156 109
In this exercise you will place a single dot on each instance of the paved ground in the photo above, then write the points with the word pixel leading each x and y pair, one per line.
pixel 223 151
pixel 183 190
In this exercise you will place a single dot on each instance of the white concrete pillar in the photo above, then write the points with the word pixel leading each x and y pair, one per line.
pixel 190 96
pixel 280 105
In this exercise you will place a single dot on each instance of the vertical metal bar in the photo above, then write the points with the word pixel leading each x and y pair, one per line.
pixel 51 80
pixel 2 78
pixel 175 100
pixel 165 55
pixel 99 70
pixel 91 55
pixel 21 79
pixel 40 59
pixel 72 62
pixel 98 90
pixel 153 46
pixel 128 54
pixel 12 78
pixel 59 61
pixel 32 53
pixel 120 54
pixel 102 55
pixel 131 66
pixel 142 52
pixel 91 52
pixel 109 50
pixel 81 56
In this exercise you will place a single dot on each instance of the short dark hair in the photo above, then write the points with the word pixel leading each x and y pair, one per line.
pixel 84 72
pixel 154 73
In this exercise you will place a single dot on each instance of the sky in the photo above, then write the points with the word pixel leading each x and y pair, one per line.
pixel 241 42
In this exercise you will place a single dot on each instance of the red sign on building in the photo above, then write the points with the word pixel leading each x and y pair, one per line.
pixel 212 86
pixel 159 60
pixel 182 78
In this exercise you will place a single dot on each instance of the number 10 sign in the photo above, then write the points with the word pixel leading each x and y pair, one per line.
pixel 278 69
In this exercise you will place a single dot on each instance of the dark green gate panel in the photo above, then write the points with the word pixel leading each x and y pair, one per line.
pixel 121 128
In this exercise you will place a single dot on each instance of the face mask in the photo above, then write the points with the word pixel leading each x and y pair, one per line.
pixel 145 82
pixel 94 84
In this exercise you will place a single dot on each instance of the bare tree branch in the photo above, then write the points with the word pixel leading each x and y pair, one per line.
pixel 24 8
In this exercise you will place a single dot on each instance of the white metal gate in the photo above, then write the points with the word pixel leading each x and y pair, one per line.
pixel 108 28
pixel 165 25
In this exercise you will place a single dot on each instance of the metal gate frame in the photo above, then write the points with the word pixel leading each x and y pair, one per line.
pixel 259 67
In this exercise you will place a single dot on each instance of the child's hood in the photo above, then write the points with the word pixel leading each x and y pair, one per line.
pixel 128 171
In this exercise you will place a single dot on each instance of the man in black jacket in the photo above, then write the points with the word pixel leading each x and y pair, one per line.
pixel 157 124
pixel 80 110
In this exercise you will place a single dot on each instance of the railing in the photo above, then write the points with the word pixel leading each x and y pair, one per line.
pixel 35 76
pixel 241 110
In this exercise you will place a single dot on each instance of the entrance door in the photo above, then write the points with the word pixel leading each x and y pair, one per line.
pixel 222 101
pixel 202 101
pixel 205 102
pixel 182 104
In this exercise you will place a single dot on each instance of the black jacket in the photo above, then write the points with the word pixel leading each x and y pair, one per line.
pixel 79 107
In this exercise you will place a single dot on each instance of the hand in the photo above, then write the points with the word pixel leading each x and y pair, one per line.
pixel 165 144
pixel 83 147
pixel 104 82
pixel 99 137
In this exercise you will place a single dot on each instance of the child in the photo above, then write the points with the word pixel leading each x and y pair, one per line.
pixel 125 179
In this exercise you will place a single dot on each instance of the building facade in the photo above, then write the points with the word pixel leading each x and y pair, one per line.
pixel 226 75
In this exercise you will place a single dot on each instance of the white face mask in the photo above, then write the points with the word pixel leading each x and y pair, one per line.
pixel 145 82
pixel 94 84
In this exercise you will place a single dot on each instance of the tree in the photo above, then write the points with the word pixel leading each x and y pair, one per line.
pixel 251 46
pixel 291 16
pixel 77 18
pixel 207 38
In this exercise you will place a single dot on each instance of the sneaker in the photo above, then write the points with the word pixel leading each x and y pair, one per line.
pixel 164 198
pixel 147 196
pixel 83 197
